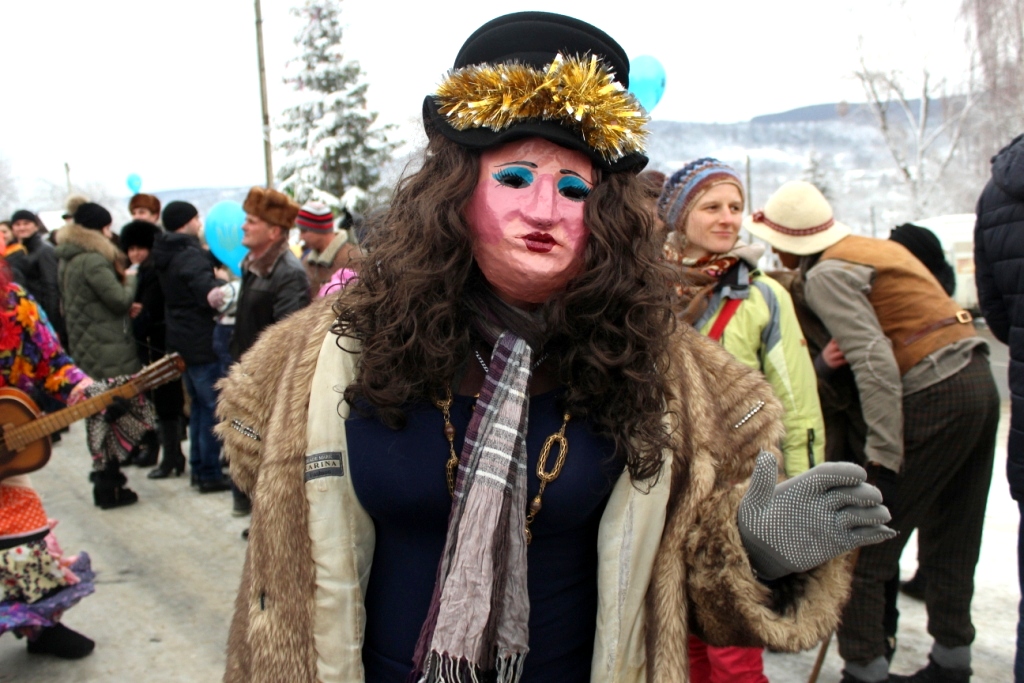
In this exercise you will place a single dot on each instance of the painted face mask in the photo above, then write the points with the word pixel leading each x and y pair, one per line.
pixel 526 218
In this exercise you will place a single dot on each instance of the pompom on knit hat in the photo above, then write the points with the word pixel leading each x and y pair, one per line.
pixel 271 206
pixel 93 216
pixel 144 201
pixel 72 204
pixel 138 233
pixel 797 219
pixel 315 217
pixel 177 214
pixel 688 184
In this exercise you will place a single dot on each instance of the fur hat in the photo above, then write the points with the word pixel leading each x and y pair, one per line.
pixel 315 217
pixel 72 204
pixel 93 216
pixel 546 75
pixel 688 184
pixel 138 234
pixel 272 206
pixel 177 214
pixel 144 201
pixel 797 219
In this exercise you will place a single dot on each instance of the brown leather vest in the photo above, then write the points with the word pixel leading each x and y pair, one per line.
pixel 914 311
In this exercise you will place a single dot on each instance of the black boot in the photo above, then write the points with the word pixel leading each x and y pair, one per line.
pixel 933 673
pixel 60 641
pixel 174 459
pixel 108 487
pixel 148 450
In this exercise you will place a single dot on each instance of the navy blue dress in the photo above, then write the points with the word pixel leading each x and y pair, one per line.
pixel 399 478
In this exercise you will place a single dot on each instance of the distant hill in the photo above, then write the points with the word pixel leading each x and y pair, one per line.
pixel 858 113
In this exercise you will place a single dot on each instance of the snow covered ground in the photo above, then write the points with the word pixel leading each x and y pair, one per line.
pixel 994 609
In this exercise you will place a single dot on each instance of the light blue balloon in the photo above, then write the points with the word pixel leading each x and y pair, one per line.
pixel 647 81
pixel 223 232
pixel 134 182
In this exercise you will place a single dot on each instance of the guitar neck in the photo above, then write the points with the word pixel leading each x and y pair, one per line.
pixel 19 437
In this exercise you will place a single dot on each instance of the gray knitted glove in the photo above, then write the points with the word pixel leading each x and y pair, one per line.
pixel 809 519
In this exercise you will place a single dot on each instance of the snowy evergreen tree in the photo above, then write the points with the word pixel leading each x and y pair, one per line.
pixel 334 151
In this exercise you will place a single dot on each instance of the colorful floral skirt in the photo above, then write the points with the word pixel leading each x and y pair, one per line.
pixel 37 584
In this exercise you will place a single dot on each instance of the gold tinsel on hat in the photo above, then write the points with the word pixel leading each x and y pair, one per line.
pixel 580 93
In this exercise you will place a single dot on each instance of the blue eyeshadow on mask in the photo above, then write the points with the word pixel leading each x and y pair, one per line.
pixel 573 188
pixel 516 177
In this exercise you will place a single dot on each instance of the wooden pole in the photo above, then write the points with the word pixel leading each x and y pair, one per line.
pixel 822 652
pixel 263 97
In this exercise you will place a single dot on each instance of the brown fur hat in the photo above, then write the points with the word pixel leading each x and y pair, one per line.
pixel 144 201
pixel 272 206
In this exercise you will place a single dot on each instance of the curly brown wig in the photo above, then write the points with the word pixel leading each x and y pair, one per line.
pixel 609 330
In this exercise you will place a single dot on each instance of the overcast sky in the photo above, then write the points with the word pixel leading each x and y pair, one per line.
pixel 169 89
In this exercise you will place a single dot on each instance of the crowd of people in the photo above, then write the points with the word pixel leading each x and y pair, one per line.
pixel 751 450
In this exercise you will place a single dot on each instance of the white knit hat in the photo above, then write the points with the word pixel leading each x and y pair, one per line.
pixel 797 219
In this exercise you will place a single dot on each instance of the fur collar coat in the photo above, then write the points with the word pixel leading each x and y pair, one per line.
pixel 671 559
pixel 97 295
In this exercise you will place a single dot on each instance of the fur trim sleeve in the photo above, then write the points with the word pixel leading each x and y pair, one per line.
pixel 243 410
pixel 703 583
pixel 729 606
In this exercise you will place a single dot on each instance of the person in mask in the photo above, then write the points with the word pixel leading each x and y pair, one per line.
pixel 551 480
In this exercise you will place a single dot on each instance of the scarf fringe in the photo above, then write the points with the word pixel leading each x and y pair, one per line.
pixel 443 668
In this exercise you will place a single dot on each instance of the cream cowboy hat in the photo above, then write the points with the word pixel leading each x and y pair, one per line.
pixel 797 219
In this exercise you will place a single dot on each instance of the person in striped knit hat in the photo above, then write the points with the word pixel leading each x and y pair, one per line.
pixel 752 316
pixel 326 251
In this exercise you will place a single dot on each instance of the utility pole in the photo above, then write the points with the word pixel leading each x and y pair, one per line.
pixel 263 97
pixel 67 175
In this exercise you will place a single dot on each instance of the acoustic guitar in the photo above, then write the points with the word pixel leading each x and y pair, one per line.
pixel 25 442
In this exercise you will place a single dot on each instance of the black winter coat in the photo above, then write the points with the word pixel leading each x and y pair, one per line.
pixel 185 271
pixel 269 299
pixel 151 338
pixel 999 274
pixel 39 270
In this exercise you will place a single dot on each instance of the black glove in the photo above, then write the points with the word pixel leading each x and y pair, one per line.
pixel 117 409
pixel 886 481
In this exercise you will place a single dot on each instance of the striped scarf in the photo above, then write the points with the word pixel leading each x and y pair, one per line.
pixel 480 609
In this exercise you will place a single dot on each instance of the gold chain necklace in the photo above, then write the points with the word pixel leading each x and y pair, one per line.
pixel 546 477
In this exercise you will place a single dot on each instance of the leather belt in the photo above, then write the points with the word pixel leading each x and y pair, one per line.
pixel 961 317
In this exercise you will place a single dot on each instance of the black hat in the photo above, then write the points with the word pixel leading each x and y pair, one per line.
pixel 177 214
pixel 25 215
pixel 534 40
pixel 93 216
pixel 138 234
pixel 922 243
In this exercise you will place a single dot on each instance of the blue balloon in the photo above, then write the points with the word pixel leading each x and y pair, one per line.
pixel 647 81
pixel 223 232
pixel 134 182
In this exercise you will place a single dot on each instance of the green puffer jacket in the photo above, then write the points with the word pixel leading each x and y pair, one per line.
pixel 96 302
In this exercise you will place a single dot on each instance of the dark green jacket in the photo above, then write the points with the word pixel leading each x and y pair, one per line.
pixel 96 302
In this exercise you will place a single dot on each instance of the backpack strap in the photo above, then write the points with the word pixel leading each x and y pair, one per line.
pixel 728 311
